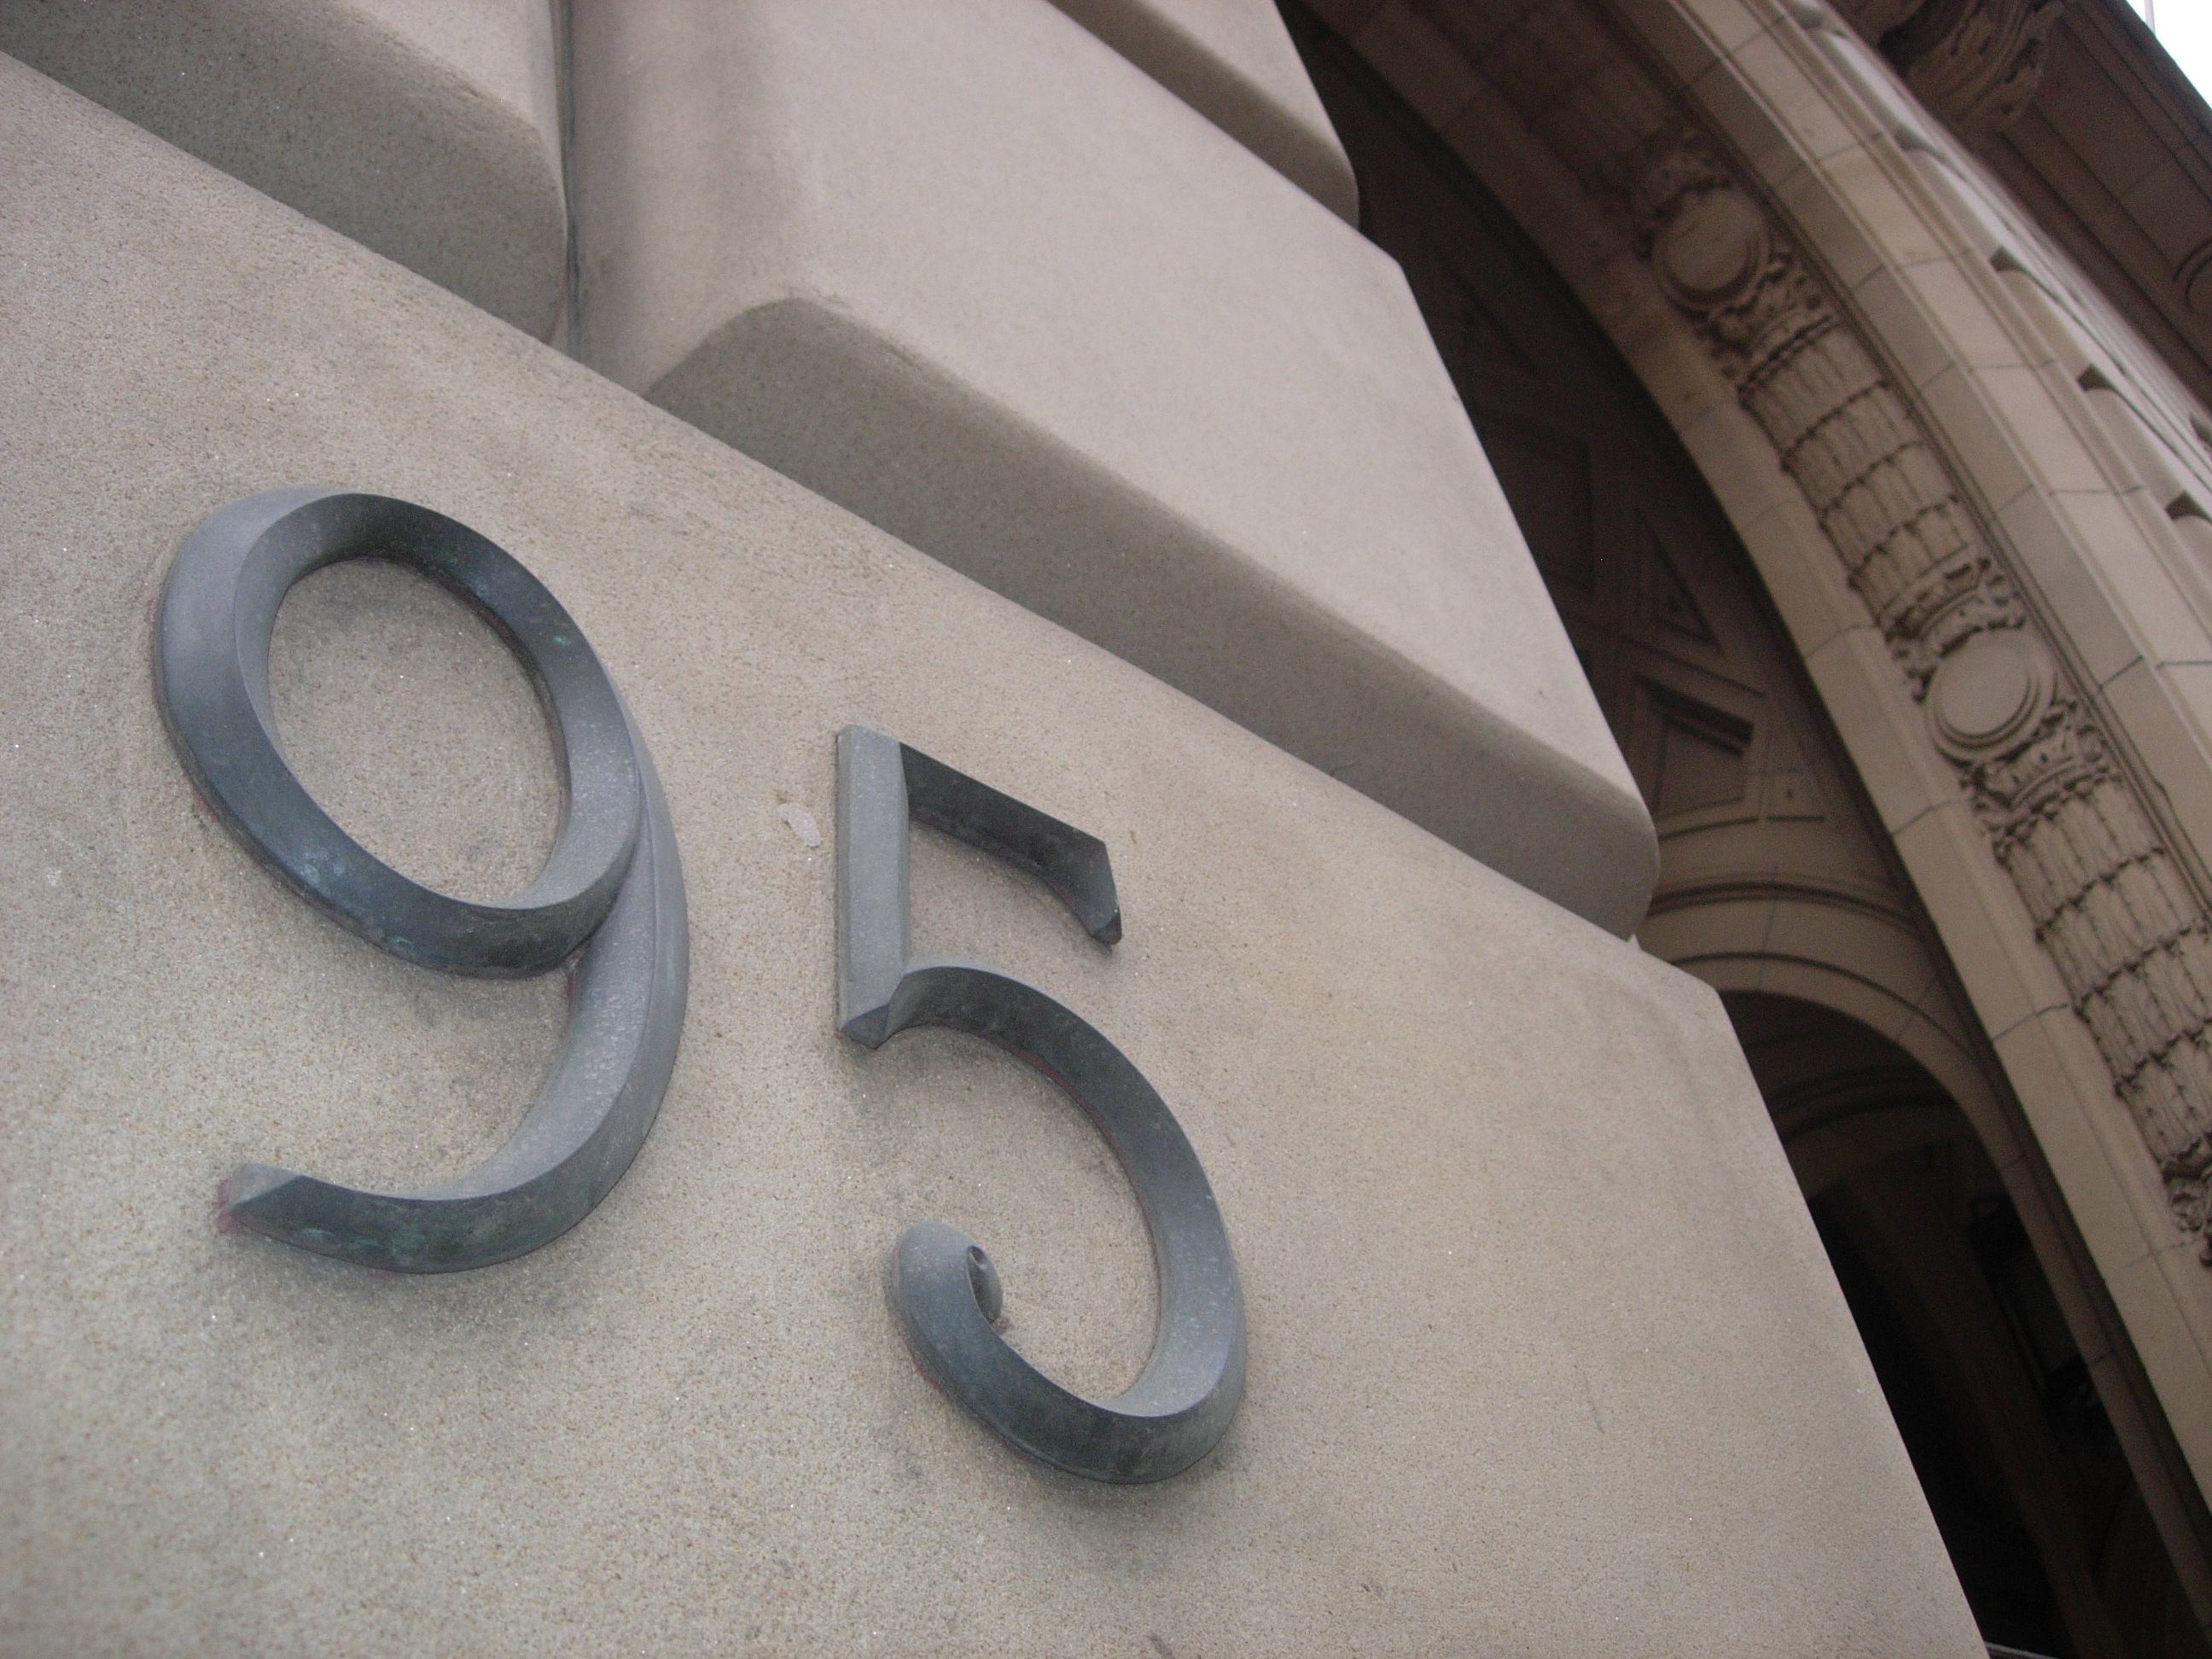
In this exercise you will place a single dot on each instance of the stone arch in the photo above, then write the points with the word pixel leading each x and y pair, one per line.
pixel 1624 149
pixel 1996 1404
pixel 1777 874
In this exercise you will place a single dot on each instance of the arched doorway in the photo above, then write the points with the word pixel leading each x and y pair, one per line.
pixel 2045 1526
pixel 1779 888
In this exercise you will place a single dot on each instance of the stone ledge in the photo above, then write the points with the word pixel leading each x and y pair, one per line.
pixel 426 130
pixel 1107 363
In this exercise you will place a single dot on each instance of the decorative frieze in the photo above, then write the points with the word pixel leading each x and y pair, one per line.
pixel 2129 936
pixel 1909 545
pixel 1975 63
pixel 2118 917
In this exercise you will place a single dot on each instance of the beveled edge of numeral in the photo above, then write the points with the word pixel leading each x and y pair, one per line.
pixel 881 784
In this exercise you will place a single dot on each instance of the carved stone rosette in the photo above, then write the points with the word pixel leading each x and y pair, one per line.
pixel 2120 919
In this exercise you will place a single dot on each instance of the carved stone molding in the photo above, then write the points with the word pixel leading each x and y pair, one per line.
pixel 2194 277
pixel 2112 908
pixel 1975 63
pixel 2110 904
pixel 1994 688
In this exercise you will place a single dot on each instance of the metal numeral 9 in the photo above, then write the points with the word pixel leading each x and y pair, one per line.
pixel 944 1288
pixel 612 884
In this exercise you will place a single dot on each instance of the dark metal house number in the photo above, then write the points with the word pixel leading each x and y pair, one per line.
pixel 943 1288
pixel 612 890
pixel 611 885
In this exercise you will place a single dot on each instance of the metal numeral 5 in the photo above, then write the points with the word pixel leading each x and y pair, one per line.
pixel 944 1288
pixel 611 886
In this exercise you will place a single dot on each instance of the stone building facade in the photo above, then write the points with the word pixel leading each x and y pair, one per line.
pixel 1780 235
pixel 1748 483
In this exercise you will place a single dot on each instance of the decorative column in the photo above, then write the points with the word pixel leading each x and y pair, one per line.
pixel 2113 908
pixel 2121 920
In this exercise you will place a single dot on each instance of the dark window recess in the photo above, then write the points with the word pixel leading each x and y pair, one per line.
pixel 1701 753
pixel 1547 479
pixel 1995 1560
pixel 2047 1352
pixel 1672 606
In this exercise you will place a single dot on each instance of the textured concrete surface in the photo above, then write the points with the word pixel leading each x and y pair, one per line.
pixel 428 130
pixel 1232 61
pixel 1545 1354
pixel 970 274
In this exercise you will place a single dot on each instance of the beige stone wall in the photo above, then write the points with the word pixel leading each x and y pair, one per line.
pixel 426 129
pixel 1232 61
pixel 1065 300
pixel 975 277
pixel 1546 1358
